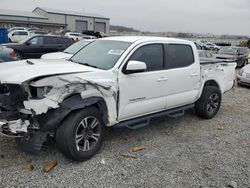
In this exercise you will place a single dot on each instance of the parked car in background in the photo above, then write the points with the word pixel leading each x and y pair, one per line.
pixel 239 54
pixel 243 76
pixel 88 37
pixel 68 52
pixel 211 46
pixel 18 35
pixel 32 29
pixel 206 45
pixel 7 54
pixel 37 32
pixel 206 56
pixel 17 28
pixel 74 36
pixel 34 47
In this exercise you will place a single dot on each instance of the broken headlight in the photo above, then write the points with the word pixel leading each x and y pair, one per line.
pixel 39 92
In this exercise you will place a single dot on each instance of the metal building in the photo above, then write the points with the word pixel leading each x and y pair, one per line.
pixel 53 19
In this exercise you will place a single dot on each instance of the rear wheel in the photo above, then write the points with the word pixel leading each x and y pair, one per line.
pixel 81 135
pixel 209 103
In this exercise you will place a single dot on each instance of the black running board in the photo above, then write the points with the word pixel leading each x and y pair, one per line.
pixel 144 121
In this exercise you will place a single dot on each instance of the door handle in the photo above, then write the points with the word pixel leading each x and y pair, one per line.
pixel 162 79
pixel 194 74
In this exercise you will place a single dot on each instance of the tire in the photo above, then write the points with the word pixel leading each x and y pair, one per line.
pixel 19 55
pixel 209 103
pixel 76 139
pixel 245 63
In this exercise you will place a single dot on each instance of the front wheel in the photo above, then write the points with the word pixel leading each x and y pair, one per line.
pixel 209 103
pixel 81 135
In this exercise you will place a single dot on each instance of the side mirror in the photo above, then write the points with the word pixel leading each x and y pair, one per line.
pixel 135 67
pixel 28 43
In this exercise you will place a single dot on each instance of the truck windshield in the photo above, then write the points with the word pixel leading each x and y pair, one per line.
pixel 76 47
pixel 102 54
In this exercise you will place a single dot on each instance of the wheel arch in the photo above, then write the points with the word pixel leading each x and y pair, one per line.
pixel 19 51
pixel 54 117
pixel 210 82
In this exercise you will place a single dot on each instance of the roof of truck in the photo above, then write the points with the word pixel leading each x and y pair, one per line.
pixel 133 39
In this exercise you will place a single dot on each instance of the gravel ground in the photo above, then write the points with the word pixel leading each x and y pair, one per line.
pixel 183 152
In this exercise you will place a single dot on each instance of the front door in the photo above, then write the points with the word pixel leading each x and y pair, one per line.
pixel 34 48
pixel 143 93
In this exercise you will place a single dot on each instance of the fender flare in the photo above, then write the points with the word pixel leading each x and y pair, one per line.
pixel 54 117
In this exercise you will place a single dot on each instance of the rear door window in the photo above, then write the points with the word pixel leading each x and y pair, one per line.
pixel 50 40
pixel 178 55
pixel 151 54
pixel 64 40
pixel 22 33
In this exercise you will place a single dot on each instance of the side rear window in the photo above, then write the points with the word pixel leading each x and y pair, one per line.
pixel 178 55
pixel 22 33
pixel 50 40
pixel 64 40
pixel 151 54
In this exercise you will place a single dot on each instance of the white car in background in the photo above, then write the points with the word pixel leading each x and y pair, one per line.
pixel 243 77
pixel 211 46
pixel 18 35
pixel 74 36
pixel 68 52
pixel 17 28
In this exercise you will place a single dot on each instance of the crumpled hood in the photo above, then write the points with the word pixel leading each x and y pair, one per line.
pixel 17 72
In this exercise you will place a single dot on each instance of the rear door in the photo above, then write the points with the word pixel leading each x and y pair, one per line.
pixel 64 43
pixel 183 73
pixel 50 44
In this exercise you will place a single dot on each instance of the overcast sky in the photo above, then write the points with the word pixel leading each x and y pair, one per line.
pixel 201 16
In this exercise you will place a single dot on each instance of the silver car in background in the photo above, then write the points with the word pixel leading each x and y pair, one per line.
pixel 68 52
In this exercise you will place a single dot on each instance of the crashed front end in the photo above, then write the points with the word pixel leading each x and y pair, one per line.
pixel 14 120
pixel 18 122
pixel 32 111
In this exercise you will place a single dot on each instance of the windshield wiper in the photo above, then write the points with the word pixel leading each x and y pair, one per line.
pixel 74 61
pixel 86 64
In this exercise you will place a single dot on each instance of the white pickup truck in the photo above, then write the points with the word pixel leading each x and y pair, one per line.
pixel 116 81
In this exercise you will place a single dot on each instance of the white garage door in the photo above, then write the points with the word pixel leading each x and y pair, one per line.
pixel 81 26
pixel 100 27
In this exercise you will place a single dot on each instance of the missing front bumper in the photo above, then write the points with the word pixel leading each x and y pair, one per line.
pixel 14 128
